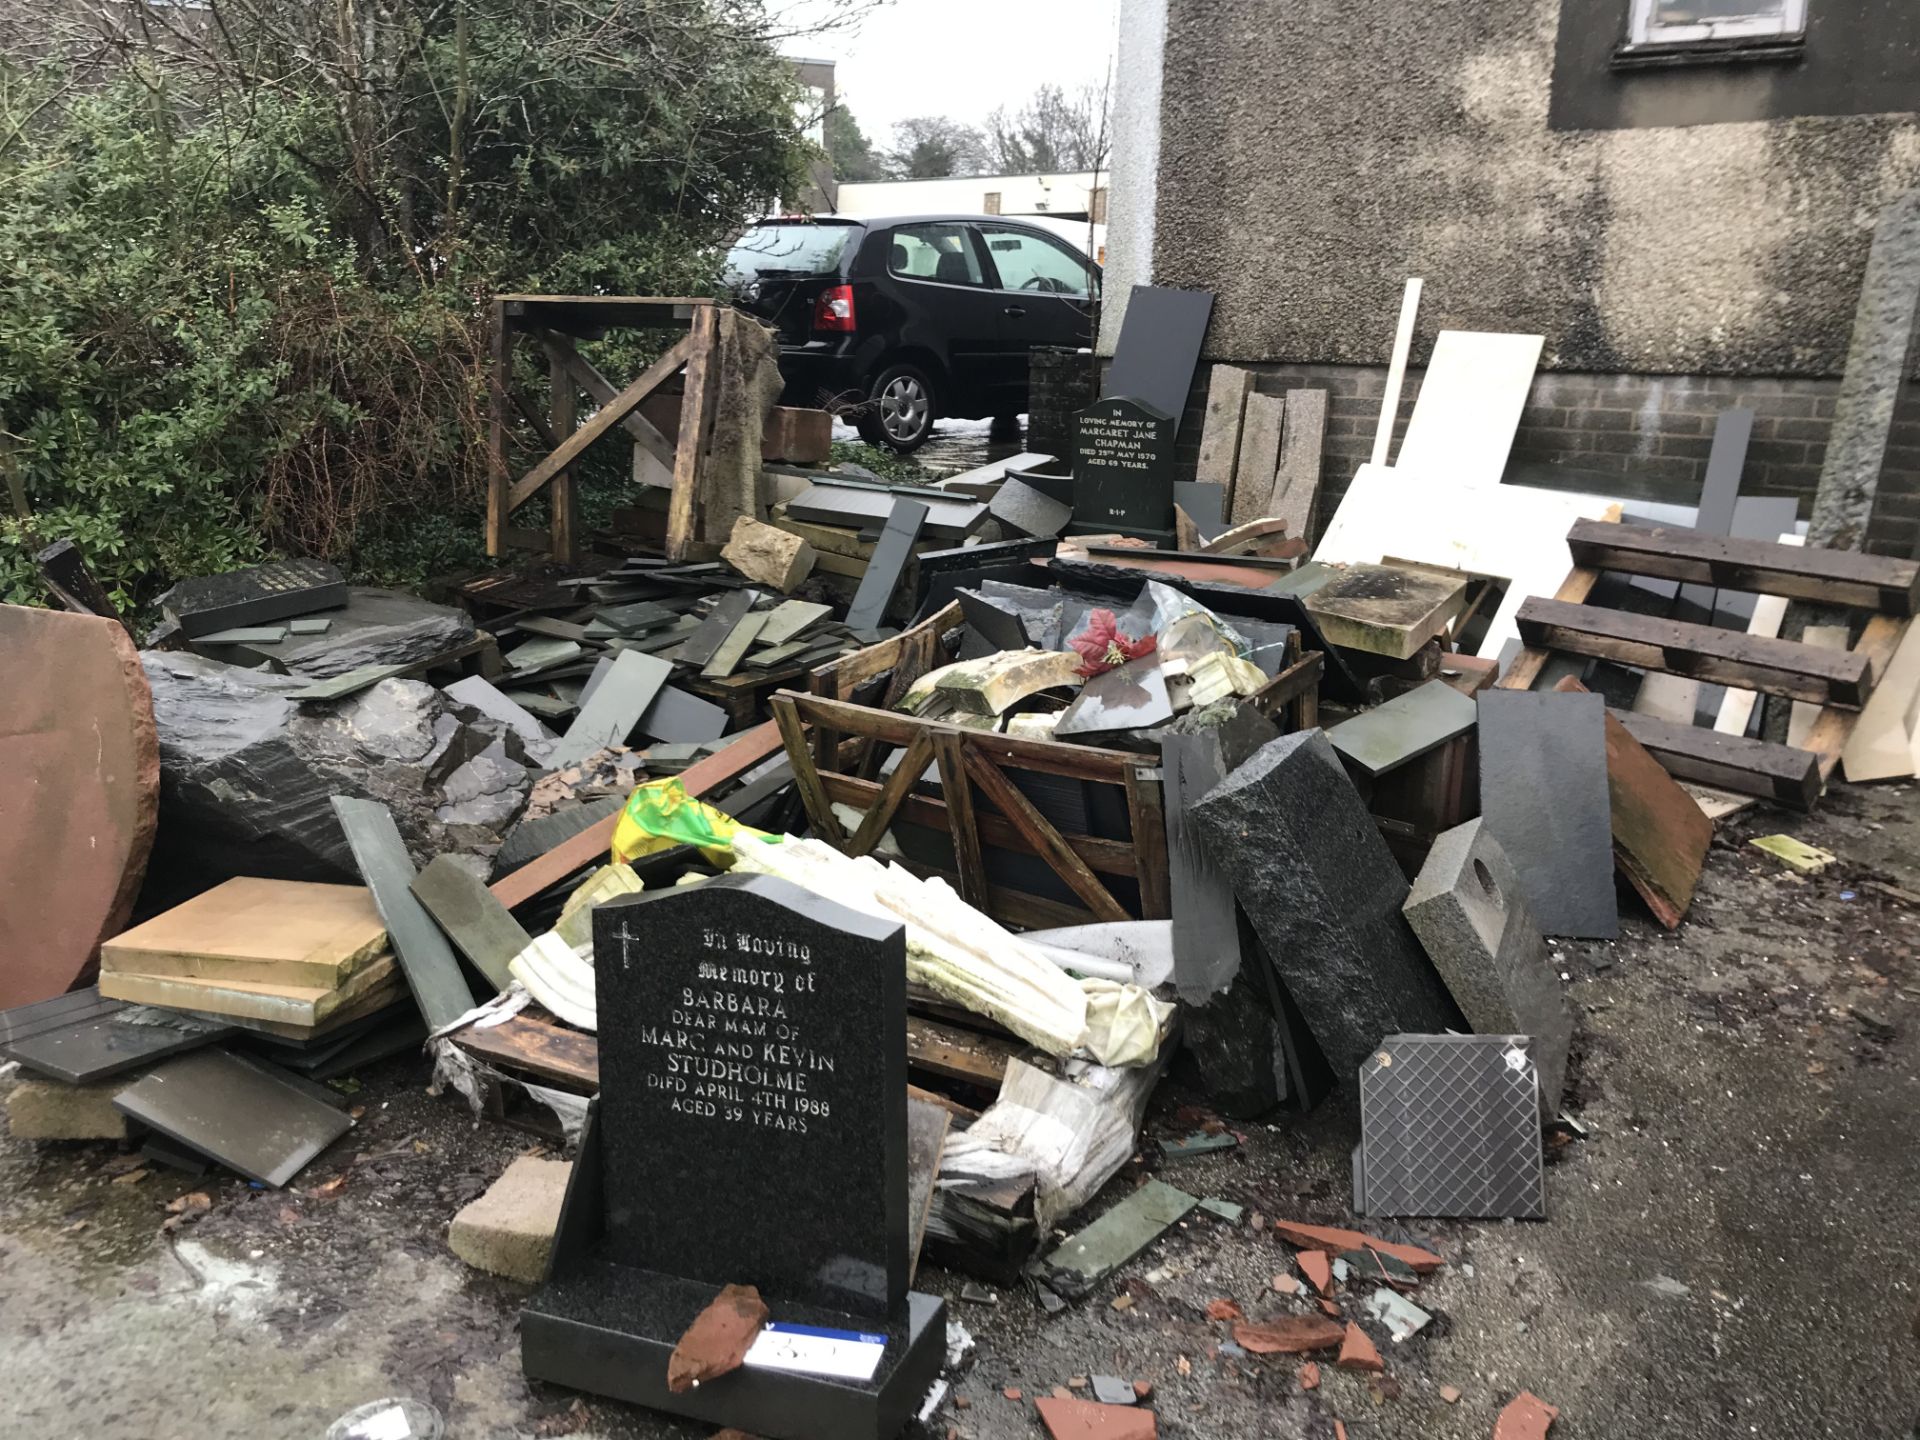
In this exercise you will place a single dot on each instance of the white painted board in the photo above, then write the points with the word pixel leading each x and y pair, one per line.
pixel 1769 613
pixel 1471 397
pixel 1885 744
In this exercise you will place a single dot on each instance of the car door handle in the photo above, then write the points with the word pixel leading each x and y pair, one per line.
pixel 1016 311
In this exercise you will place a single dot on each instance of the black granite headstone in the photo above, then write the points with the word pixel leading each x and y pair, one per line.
pixel 1123 481
pixel 751 1128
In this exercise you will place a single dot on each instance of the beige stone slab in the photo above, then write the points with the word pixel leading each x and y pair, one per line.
pixel 509 1230
pixel 1259 458
pixel 284 932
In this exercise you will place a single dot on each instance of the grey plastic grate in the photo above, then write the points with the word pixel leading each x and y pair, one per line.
pixel 1450 1126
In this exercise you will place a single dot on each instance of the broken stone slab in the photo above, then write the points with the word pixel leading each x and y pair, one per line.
pixel 509 1230
pixel 989 685
pixel 768 555
pixel 1324 893
pixel 1070 1419
pixel 1467 908
pixel 80 766
pixel 378 627
pixel 48 1110
pixel 248 775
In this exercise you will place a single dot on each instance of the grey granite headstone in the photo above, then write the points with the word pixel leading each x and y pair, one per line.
pixel 1468 911
pixel 1543 792
pixel 1877 361
pixel 1324 893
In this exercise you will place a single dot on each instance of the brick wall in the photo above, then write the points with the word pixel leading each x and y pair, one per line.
pixel 1633 436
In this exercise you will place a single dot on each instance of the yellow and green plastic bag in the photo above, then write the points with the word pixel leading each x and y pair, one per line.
pixel 661 814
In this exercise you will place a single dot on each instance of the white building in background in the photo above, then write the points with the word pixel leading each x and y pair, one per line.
pixel 1063 204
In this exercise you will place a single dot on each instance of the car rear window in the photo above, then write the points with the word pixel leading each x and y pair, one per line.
pixel 788 250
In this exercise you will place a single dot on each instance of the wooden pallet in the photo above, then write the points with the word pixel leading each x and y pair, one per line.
pixel 1840 682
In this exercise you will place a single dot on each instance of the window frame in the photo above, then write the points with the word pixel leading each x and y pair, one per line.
pixel 1750 37
pixel 1088 269
pixel 968 234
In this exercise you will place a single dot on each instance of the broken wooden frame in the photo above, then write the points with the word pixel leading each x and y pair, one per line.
pixel 553 322
pixel 1760 768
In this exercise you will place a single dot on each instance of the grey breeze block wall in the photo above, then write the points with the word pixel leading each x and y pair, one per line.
pixel 1313 155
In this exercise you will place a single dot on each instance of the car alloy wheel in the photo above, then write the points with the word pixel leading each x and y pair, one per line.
pixel 903 408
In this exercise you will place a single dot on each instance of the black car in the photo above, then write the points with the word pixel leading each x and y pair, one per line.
pixel 900 322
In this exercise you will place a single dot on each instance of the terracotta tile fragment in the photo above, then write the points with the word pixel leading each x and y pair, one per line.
pixel 717 1340
pixel 1286 1284
pixel 1224 1310
pixel 1143 1389
pixel 1310 1376
pixel 1339 1431
pixel 1318 1268
pixel 1526 1417
pixel 1334 1241
pixel 1090 1420
pixel 1289 1335
pixel 1012 1392
pixel 1357 1352
pixel 1450 1394
pixel 1327 1307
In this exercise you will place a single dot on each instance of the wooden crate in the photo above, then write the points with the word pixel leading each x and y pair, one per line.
pixel 836 744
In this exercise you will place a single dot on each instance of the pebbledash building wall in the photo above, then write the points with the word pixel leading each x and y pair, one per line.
pixel 1688 234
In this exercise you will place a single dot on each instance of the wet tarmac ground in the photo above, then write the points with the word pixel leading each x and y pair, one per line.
pixel 1727 1254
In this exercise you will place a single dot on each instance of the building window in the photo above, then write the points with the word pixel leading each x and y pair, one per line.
pixel 1708 29
pixel 990 203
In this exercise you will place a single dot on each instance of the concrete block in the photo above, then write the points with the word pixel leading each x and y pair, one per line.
pixel 768 554
pixel 509 1230
pixel 50 1110
pixel 1468 911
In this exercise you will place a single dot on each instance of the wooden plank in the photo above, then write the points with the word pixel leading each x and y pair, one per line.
pixel 1878 643
pixel 1107 857
pixel 1079 762
pixel 1396 370
pixel 1660 835
pixel 602 420
pixel 696 419
pixel 562 507
pixel 1528 664
pixel 592 845
pixel 499 380
pixel 913 763
pixel 1146 814
pixel 1730 762
pixel 806 770
pixel 645 433
pixel 1762 567
pixel 1674 647
pixel 951 1053
pixel 956 792
pixel 550 1053
pixel 1053 849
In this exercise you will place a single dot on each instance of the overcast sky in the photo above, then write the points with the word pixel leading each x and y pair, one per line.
pixel 938 57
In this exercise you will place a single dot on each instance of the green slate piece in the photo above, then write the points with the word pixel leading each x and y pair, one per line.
pixel 733 649
pixel 1198 1143
pixel 245 635
pixel 546 707
pixel 1224 1209
pixel 789 618
pixel 431 967
pixel 549 627
pixel 481 927
pixel 541 653
pixel 350 683
pixel 1408 726
pixel 1083 1260
pixel 318 625
pixel 613 707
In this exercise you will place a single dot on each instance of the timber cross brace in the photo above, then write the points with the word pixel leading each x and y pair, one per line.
pixel 554 322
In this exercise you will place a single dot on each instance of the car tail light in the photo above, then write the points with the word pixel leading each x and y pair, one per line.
pixel 833 311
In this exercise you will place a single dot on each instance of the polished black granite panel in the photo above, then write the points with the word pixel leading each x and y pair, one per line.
pixel 753 1091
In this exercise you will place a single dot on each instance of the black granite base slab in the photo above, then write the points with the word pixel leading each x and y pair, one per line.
pixel 609 1330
